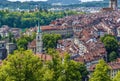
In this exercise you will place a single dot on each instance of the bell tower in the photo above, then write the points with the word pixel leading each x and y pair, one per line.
pixel 39 43
pixel 113 4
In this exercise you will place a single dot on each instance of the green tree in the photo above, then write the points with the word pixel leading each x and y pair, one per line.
pixel 106 35
pixel 101 72
pixel 117 77
pixel 112 56
pixel 50 40
pixel 111 44
pixel 73 71
pixel 27 19
pixel 66 69
pixel 23 66
pixel 55 65
pixel 22 43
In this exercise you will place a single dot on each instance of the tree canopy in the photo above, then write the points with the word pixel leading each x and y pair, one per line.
pixel 117 77
pixel 111 45
pixel 30 19
pixel 25 66
pixel 50 40
pixel 22 66
pixel 101 72
pixel 66 69
pixel 23 41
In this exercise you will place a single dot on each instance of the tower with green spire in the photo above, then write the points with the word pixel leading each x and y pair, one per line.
pixel 39 43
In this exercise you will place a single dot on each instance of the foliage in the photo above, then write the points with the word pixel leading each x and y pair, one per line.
pixel 23 66
pixel 45 5
pixel 101 72
pixel 22 5
pixel 112 56
pixel 111 44
pixel 66 69
pixel 73 70
pixel 23 41
pixel 55 65
pixel 30 19
pixel 106 35
pixel 117 77
pixel 50 40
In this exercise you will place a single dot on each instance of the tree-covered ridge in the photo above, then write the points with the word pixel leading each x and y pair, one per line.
pixel 64 1
pixel 30 19
pixel 22 5
pixel 46 5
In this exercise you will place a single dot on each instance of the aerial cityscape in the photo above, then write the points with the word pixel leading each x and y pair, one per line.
pixel 59 40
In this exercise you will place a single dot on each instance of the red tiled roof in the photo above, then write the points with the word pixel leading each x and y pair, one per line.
pixel 113 65
pixel 43 28
pixel 44 57
pixel 32 44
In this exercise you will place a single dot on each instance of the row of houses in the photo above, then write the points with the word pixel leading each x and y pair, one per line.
pixel 6 48
pixel 5 30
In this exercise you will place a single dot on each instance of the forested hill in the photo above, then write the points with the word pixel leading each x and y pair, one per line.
pixel 104 3
pixel 64 1
pixel 30 19
pixel 22 5
pixel 46 5
pixel 69 2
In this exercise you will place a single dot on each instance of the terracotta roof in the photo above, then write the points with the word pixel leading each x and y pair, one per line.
pixel 113 65
pixel 92 68
pixel 32 44
pixel 45 28
pixel 44 57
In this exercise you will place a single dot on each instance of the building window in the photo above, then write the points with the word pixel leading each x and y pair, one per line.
pixel 38 37
pixel 2 45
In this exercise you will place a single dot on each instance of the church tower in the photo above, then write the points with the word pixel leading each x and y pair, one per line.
pixel 39 43
pixel 113 4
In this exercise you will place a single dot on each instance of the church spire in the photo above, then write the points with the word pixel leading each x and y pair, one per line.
pixel 39 29
pixel 39 43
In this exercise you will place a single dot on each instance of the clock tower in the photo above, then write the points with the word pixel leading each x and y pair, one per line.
pixel 39 43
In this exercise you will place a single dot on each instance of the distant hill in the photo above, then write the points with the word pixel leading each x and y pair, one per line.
pixel 104 3
pixel 23 5
pixel 69 2
pixel 64 1
pixel 46 5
